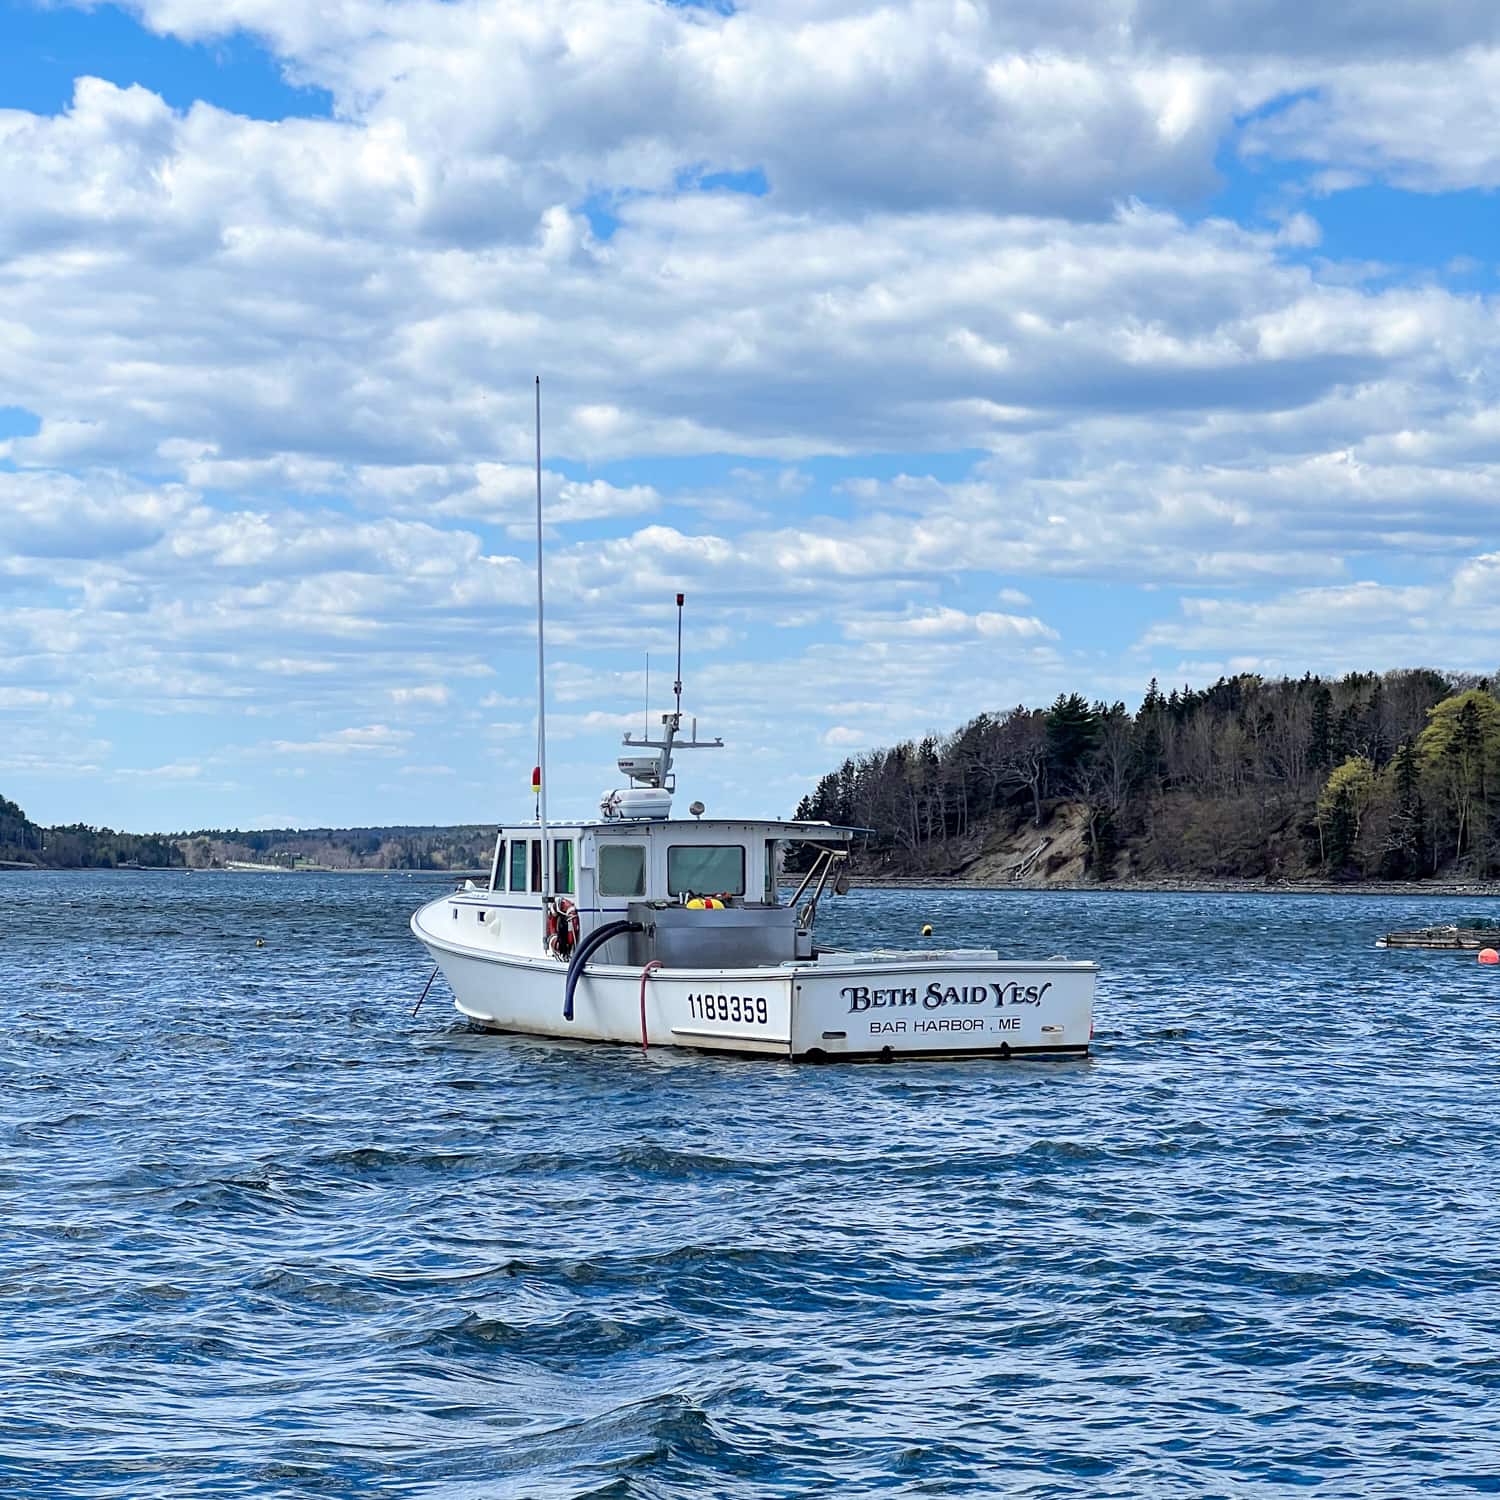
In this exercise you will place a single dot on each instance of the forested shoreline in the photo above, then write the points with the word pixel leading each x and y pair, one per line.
pixel 1372 776
pixel 80 846
pixel 1389 776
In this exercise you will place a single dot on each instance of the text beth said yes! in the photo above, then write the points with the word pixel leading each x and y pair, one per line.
pixel 935 996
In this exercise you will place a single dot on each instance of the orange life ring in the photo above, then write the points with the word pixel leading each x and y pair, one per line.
pixel 562 927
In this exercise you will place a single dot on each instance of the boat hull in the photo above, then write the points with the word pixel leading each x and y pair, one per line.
pixel 840 1006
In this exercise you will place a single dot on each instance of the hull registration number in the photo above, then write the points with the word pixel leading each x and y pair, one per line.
pixel 747 1010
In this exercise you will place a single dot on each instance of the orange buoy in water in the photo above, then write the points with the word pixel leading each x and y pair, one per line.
pixel 1489 956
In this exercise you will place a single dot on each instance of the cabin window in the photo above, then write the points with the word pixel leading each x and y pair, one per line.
pixel 497 868
pixel 622 869
pixel 536 864
pixel 706 869
pixel 518 864
pixel 562 867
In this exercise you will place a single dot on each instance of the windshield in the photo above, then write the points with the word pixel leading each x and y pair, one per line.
pixel 706 869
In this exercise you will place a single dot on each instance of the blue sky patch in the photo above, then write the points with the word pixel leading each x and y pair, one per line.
pixel 752 182
pixel 16 421
pixel 1393 227
pixel 42 52
pixel 1427 231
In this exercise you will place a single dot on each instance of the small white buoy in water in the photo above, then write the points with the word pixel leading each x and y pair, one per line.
pixel 260 942
pixel 926 929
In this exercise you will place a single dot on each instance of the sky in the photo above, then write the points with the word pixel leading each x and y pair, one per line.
pixel 946 355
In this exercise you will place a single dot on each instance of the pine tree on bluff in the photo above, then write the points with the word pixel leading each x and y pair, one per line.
pixel 1404 855
pixel 1149 742
pixel 1072 732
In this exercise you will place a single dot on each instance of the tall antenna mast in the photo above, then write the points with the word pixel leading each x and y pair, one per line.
pixel 677 686
pixel 541 668
pixel 656 770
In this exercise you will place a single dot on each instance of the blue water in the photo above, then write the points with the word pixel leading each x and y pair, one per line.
pixel 262 1233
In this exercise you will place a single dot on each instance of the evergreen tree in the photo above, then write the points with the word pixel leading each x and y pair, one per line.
pixel 1320 737
pixel 1072 732
pixel 1372 727
pixel 1404 854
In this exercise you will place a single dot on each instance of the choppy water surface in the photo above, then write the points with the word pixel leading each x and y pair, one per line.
pixel 262 1233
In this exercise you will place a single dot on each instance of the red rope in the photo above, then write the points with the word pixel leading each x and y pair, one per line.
pixel 645 975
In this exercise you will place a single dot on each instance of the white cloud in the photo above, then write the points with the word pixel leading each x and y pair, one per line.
pixel 842 737
pixel 13 698
pixel 942 621
pixel 434 694
pixel 1428 124
pixel 1451 622
pixel 175 771
pixel 378 739
pixel 834 103
pixel 1289 29
pixel 282 369
pixel 59 516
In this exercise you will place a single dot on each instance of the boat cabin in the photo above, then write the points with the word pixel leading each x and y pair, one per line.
pixel 612 870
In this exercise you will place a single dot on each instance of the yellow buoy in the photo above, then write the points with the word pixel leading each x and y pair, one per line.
pixel 926 929
pixel 696 904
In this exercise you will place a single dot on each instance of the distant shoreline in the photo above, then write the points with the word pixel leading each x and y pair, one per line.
pixel 1192 886
pixel 15 867
pixel 1177 886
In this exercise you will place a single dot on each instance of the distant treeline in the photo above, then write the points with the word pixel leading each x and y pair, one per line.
pixel 78 846
pixel 1393 776
pixel 466 847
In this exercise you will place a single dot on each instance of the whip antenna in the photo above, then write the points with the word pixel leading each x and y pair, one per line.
pixel 677 686
pixel 541 669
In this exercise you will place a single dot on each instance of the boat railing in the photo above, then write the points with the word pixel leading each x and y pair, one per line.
pixel 823 868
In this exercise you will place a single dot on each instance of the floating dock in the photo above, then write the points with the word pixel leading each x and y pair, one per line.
pixel 1443 937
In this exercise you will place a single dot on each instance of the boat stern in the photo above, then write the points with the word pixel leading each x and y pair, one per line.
pixel 890 1005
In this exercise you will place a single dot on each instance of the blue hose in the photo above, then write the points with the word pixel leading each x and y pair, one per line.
pixel 581 954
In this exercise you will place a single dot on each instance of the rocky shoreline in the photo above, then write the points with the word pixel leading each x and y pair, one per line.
pixel 1195 885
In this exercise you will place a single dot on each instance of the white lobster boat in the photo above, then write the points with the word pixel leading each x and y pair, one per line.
pixel 675 932
pixel 640 927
